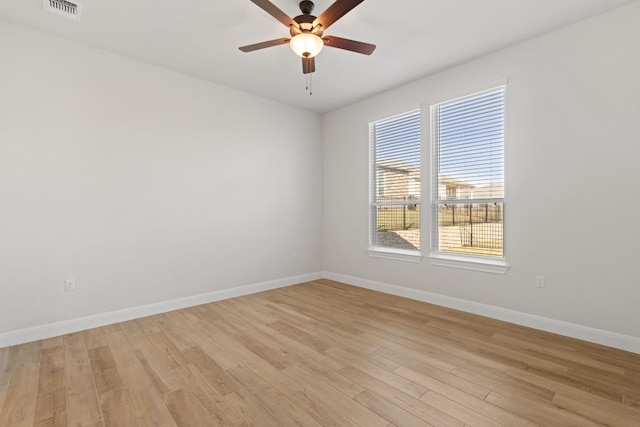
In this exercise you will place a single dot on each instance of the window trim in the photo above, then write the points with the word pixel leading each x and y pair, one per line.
pixel 481 263
pixel 395 254
pixel 469 262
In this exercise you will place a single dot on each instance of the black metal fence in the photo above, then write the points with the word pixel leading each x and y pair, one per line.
pixel 458 214
pixel 398 217
pixel 477 225
pixel 471 228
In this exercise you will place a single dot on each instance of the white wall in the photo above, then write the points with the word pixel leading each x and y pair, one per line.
pixel 142 184
pixel 148 186
pixel 572 170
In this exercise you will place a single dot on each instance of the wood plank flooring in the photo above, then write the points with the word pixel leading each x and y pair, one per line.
pixel 317 354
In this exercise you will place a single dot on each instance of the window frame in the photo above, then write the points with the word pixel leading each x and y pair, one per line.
pixel 388 252
pixel 489 264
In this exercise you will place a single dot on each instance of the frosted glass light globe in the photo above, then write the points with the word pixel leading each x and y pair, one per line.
pixel 306 45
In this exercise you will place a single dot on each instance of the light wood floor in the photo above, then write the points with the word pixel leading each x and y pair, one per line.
pixel 317 354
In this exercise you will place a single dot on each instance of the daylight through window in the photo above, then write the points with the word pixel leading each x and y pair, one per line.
pixel 468 175
pixel 395 182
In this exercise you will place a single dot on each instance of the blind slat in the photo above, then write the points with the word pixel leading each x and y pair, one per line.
pixel 395 181
pixel 468 175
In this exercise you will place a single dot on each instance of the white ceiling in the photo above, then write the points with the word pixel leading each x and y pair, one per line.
pixel 200 38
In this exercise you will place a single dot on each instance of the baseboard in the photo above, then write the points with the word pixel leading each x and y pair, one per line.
pixel 598 336
pixel 75 325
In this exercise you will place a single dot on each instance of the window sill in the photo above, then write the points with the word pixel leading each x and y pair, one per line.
pixel 395 254
pixel 467 263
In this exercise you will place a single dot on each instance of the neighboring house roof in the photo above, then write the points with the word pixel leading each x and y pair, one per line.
pixel 397 165
pixel 491 191
pixel 452 182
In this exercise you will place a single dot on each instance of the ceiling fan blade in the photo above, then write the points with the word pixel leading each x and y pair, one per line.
pixel 308 65
pixel 273 10
pixel 347 44
pixel 262 45
pixel 334 12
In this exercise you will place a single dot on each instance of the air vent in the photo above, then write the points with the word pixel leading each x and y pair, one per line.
pixel 64 8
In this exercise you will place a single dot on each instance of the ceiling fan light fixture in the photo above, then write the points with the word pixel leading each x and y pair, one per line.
pixel 306 45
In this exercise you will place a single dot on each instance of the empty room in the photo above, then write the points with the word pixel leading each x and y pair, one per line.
pixel 332 213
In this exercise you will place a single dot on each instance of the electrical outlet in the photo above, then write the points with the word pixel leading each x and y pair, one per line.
pixel 69 285
pixel 540 281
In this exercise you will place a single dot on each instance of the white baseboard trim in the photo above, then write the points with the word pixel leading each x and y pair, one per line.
pixel 598 336
pixel 79 324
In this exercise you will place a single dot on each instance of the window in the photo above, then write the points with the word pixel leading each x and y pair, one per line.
pixel 395 183
pixel 467 205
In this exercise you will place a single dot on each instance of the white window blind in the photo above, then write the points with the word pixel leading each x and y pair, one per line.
pixel 395 182
pixel 468 174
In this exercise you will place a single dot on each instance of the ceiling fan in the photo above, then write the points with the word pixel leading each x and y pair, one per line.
pixel 306 30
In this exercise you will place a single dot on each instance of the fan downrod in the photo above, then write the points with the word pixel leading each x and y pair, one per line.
pixel 306 7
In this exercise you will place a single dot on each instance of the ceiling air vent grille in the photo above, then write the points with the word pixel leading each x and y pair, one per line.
pixel 63 7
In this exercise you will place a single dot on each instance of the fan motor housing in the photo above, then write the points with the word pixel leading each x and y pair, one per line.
pixel 305 24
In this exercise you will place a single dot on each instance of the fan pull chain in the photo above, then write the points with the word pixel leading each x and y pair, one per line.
pixel 309 87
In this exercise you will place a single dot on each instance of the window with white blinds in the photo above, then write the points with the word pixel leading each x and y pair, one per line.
pixel 468 141
pixel 395 182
